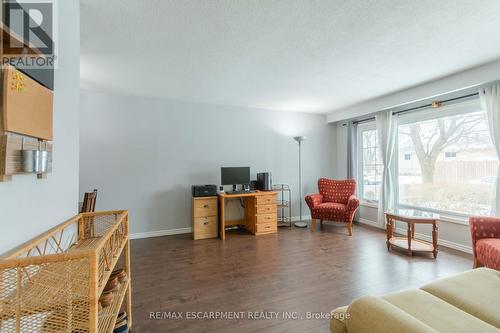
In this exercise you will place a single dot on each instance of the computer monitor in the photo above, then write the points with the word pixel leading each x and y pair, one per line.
pixel 235 176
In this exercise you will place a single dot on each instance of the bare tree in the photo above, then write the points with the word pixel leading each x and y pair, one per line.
pixel 429 142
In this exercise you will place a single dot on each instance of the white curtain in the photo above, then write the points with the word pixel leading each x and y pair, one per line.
pixel 352 158
pixel 387 130
pixel 490 101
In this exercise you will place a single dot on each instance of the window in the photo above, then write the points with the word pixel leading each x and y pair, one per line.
pixel 450 154
pixel 407 156
pixel 454 166
pixel 370 165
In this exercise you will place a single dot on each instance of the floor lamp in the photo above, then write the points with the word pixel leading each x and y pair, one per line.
pixel 299 140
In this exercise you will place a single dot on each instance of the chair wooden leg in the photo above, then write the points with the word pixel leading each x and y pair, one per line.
pixel 313 224
pixel 476 263
pixel 349 228
pixel 321 224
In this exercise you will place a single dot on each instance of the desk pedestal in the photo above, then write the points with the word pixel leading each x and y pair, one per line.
pixel 260 212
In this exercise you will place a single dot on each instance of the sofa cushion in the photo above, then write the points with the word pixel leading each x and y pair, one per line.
pixel 331 211
pixel 475 292
pixel 436 313
pixel 332 206
pixel 488 252
pixel 337 321
pixel 376 315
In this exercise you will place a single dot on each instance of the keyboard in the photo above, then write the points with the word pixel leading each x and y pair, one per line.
pixel 239 192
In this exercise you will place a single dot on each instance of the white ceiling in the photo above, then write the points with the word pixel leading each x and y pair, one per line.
pixel 294 55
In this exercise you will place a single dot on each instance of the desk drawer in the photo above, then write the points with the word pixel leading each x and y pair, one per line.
pixel 205 227
pixel 266 209
pixel 266 199
pixel 205 207
pixel 267 227
pixel 267 218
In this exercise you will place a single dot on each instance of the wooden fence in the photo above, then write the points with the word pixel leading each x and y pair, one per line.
pixel 460 171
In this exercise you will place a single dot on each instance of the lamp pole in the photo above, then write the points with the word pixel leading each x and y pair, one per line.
pixel 300 224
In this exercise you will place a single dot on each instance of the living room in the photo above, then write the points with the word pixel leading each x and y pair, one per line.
pixel 250 166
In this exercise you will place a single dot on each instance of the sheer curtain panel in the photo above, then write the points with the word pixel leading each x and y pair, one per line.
pixel 490 101
pixel 387 130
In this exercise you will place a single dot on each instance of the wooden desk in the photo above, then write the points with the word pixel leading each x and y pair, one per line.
pixel 260 212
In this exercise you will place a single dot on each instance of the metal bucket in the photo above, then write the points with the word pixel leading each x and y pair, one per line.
pixel 35 161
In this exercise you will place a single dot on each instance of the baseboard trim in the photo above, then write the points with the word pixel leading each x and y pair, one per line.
pixel 159 233
pixel 305 218
pixel 369 222
pixel 168 232
pixel 441 242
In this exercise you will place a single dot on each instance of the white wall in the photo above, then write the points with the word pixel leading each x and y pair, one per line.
pixel 143 154
pixel 473 77
pixel 451 234
pixel 341 158
pixel 29 206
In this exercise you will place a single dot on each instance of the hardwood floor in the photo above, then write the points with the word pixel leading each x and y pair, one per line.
pixel 295 271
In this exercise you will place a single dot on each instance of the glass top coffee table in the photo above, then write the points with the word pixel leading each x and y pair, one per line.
pixel 412 217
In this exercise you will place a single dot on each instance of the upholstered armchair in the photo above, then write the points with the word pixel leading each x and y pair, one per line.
pixel 485 234
pixel 336 201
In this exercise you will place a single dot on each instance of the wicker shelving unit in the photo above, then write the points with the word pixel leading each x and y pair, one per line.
pixel 53 282
pixel 284 205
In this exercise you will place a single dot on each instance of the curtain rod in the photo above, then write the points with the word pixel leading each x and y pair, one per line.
pixel 419 107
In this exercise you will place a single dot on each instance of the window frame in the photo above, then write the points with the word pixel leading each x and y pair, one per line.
pixel 363 127
pixel 469 105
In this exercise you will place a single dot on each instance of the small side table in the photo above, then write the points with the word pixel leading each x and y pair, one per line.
pixel 411 218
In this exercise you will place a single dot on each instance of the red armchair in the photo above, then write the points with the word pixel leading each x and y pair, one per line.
pixel 336 201
pixel 485 234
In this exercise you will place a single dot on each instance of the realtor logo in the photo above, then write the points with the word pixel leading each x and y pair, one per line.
pixel 29 40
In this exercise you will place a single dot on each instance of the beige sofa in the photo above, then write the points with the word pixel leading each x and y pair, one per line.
pixel 468 302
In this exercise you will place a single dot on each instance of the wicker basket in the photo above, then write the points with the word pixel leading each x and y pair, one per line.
pixel 53 282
